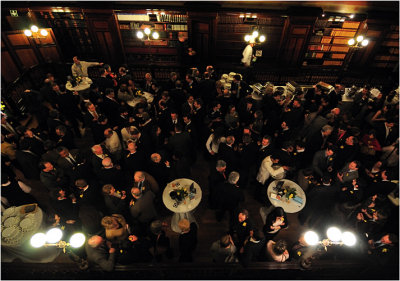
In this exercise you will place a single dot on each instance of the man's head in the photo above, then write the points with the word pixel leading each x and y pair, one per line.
pixel 108 189
pixel 139 176
pixel 326 130
pixel 95 241
pixel 243 215
pixel 174 115
pixel 46 166
pixel 90 107
pixel 148 77
pixel 354 165
pixel 136 193
pixel 61 130
pixel 279 247
pixel 108 133
pixel 107 163
pixel 155 157
pixel 390 238
pixel 230 140
pixel 81 183
pixel 233 177
pixel 110 93
pixel 97 149
pixel 221 165
pixel 266 140
pixel 76 60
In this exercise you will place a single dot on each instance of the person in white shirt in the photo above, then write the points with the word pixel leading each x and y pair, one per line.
pixel 266 169
pixel 248 53
pixel 79 68
pixel 277 251
pixel 112 143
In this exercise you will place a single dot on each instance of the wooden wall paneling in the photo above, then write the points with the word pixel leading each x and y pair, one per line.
pixel 9 68
pixel 293 51
pixel 50 53
pixel 27 57
pixel 18 39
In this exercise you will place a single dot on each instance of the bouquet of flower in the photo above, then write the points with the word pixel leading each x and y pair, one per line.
pixel 290 192
pixel 179 193
pixel 78 79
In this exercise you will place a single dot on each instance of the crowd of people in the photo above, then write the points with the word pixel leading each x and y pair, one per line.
pixel 345 158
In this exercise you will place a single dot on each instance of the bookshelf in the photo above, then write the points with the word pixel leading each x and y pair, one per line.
pixel 172 28
pixel 231 29
pixel 388 54
pixel 328 43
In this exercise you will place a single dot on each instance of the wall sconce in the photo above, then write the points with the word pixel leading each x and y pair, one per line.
pixel 34 32
pixel 255 36
pixel 358 42
pixel 140 34
pixel 53 238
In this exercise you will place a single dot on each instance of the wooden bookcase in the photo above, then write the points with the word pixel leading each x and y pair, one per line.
pixel 231 30
pixel 327 45
pixel 388 54
pixel 164 51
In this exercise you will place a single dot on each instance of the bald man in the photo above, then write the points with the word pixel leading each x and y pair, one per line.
pixel 100 252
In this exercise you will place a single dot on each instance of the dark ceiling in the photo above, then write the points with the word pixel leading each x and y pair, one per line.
pixel 357 7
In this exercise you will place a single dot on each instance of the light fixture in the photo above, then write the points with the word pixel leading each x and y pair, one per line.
pixel 358 42
pixel 147 31
pixel 53 238
pixel 311 238
pixel 255 36
pixel 139 34
pixel 351 16
pixel 54 235
pixel 155 35
pixel 348 238
pixel 35 33
pixel 323 15
pixel 334 234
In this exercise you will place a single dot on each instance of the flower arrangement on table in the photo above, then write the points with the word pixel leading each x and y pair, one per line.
pixel 75 80
pixel 290 192
pixel 180 193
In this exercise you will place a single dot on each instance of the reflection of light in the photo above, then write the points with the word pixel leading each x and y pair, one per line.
pixel 323 15
pixel 34 28
pixel 255 34
pixel 351 16
pixel 349 239
pixel 38 240
pixel 334 234
pixel 147 31
pixel 262 38
pixel 156 35
pixel 360 38
pixel 247 38
pixel 43 32
pixel 364 42
pixel 241 16
pixel 139 34
pixel 351 41
pixel 311 238
pixel 77 240
pixel 54 235
pixel 28 32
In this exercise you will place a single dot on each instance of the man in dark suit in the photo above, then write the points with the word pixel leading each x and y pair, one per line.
pixel 318 140
pixel 228 153
pixel 101 252
pixel 188 107
pixel 191 129
pixel 159 170
pixel 142 209
pixel 89 195
pixel 133 159
pixel 111 107
pixel 53 178
pixel 91 116
pixel 264 149
pixel 145 182
pixel 181 142
pixel 191 86
pixel 28 161
pixel 323 161
pixel 9 127
pixel 33 140
pixel 254 248
pixel 73 163
pixel 98 154
pixel 383 187
pixel 230 196
pixel 207 88
pixel 240 88
pixel 216 178
pixel 387 132
pixel 65 137
pixel 115 200
pixel 103 82
pixel 111 174
pixel 169 124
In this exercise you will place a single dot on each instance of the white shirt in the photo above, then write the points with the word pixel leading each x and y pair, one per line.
pixel 266 171
pixel 211 146
pixel 247 55
pixel 82 69
pixel 113 143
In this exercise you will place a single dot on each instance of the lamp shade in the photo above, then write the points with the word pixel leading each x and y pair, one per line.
pixel 139 34
pixel 262 38
pixel 34 28
pixel 255 34
pixel 155 35
pixel 147 31
pixel 28 32
pixel 351 42
pixel 77 240
pixel 360 38
pixel 334 234
pixel 349 239
pixel 54 235
pixel 43 32
pixel 38 240
pixel 311 238
pixel 364 42
pixel 247 38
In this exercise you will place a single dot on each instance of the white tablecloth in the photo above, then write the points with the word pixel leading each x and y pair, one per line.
pixel 84 85
pixel 183 210
pixel 146 96
pixel 21 248
pixel 289 206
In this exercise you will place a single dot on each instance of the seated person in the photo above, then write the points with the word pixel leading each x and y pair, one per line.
pixel 277 251
pixel 224 250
